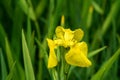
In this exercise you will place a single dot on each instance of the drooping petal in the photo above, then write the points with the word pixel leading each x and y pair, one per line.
pixel 59 32
pixel 78 34
pixel 52 60
pixel 82 47
pixel 77 57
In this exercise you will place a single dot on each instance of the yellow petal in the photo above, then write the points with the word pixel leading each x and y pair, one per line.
pixel 68 35
pixel 52 60
pixel 59 42
pixel 77 58
pixel 59 32
pixel 78 34
pixel 82 47
pixel 51 43
pixel 62 20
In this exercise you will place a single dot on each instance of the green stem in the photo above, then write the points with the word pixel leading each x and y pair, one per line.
pixel 64 66
pixel 37 29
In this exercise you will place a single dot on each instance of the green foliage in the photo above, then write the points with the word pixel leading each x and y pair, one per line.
pixel 3 66
pixel 25 57
pixel 106 66
pixel 27 60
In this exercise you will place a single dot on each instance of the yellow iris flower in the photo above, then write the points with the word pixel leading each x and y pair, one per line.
pixel 77 55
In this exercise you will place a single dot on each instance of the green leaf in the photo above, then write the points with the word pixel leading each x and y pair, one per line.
pixel 3 66
pixel 28 9
pixel 40 7
pixel 96 51
pixel 8 53
pixel 27 60
pixel 30 40
pixel 12 71
pixel 97 7
pixel 44 54
pixel 2 35
pixel 106 66
pixel 112 14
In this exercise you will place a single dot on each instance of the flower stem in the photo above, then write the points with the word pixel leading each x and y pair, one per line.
pixel 64 66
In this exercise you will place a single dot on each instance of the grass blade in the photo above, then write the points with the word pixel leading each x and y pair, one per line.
pixel 97 7
pixel 27 60
pixel 106 66
pixel 8 53
pixel 112 14
pixel 12 71
pixel 96 51
pixel 27 9
pixel 3 66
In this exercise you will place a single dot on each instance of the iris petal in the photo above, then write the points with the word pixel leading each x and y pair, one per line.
pixel 52 60
pixel 68 36
pixel 82 47
pixel 59 32
pixel 78 34
pixel 77 57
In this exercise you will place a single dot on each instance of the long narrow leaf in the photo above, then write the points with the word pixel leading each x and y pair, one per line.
pixel 12 71
pixel 96 51
pixel 97 7
pixel 112 14
pixel 25 7
pixel 3 66
pixel 8 53
pixel 106 66
pixel 27 60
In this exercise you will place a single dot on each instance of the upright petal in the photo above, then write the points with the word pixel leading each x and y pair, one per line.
pixel 68 36
pixel 59 32
pixel 78 34
pixel 77 57
pixel 51 43
pixel 62 20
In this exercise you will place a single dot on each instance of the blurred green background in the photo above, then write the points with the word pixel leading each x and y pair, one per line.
pixel 25 25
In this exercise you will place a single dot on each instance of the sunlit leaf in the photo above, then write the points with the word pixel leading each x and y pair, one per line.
pixel 96 51
pixel 106 66
pixel 27 60
pixel 11 73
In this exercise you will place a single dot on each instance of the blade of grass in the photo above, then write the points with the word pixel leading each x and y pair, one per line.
pixel 2 35
pixel 7 6
pixel 42 56
pixel 40 7
pixel 28 9
pixel 90 16
pixel 3 66
pixel 16 32
pixel 91 54
pixel 30 40
pixel 25 7
pixel 27 60
pixel 112 14
pixel 8 53
pixel 43 50
pixel 106 66
pixel 97 7
pixel 21 74
pixel 11 74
